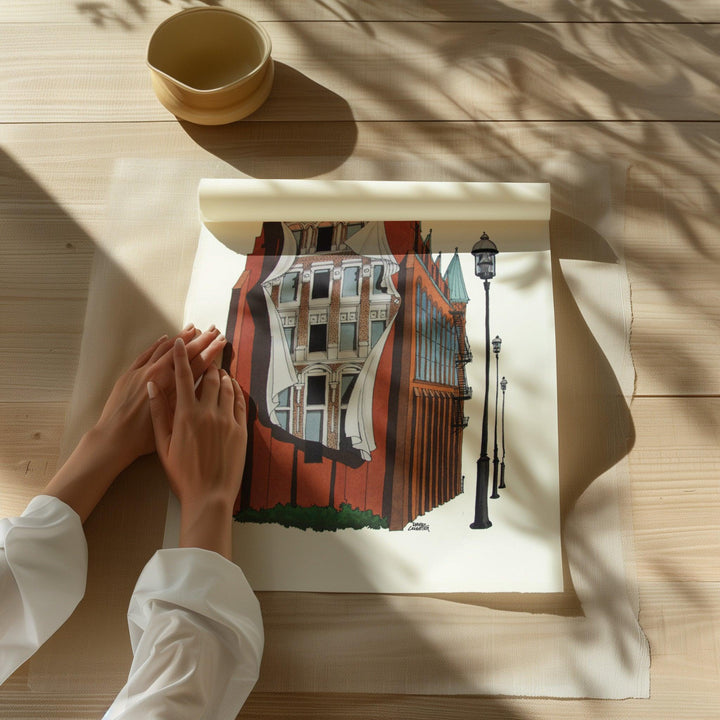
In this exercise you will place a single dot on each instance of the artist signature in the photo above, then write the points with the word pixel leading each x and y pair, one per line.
pixel 419 526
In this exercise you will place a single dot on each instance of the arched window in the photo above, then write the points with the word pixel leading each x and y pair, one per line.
pixel 315 407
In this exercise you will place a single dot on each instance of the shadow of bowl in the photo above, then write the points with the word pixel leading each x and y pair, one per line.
pixel 282 139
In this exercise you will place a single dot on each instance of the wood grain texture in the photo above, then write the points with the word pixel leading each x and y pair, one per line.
pixel 441 71
pixel 31 434
pixel 675 488
pixel 479 91
pixel 681 619
pixel 669 183
pixel 130 14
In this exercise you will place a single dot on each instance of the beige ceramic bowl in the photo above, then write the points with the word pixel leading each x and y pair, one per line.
pixel 210 66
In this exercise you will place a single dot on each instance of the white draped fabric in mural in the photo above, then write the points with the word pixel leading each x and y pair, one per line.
pixel 371 242
pixel 281 372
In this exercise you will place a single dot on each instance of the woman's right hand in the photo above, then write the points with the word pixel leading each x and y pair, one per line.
pixel 202 448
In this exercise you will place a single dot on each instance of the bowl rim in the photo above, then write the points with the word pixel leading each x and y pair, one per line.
pixel 208 10
pixel 233 112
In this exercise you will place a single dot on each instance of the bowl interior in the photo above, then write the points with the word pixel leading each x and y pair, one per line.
pixel 208 49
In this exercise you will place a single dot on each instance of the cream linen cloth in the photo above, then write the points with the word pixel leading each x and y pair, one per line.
pixel 317 642
pixel 195 624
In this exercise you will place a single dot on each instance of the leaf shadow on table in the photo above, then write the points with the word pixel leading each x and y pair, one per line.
pixel 304 153
pixel 85 663
pixel 478 150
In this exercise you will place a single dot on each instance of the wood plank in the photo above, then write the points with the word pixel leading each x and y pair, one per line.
pixel 37 314
pixel 674 465
pixel 681 619
pixel 56 190
pixel 673 263
pixel 441 71
pixel 48 275
pixel 31 435
pixel 38 367
pixel 131 14
pixel 669 177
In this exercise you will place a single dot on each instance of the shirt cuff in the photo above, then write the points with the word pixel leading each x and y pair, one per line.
pixel 43 570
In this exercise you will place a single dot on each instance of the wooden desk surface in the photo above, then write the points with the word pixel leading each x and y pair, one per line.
pixel 405 89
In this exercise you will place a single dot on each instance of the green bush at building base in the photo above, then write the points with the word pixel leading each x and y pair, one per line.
pixel 314 518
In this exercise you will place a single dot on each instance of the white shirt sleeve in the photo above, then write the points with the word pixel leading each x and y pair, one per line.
pixel 197 639
pixel 43 569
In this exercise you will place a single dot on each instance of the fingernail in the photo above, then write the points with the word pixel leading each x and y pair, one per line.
pixel 162 337
pixel 179 343
pixel 211 328
pixel 188 327
pixel 151 390
pixel 220 338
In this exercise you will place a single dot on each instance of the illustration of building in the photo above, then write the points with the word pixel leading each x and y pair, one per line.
pixel 352 347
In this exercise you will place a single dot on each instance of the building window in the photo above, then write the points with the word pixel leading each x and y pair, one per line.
pixel 352 228
pixel 347 383
pixel 282 411
pixel 314 425
pixel 290 338
pixel 315 390
pixel 317 341
pixel 350 281
pixel 315 399
pixel 321 284
pixel 348 336
pixel 289 287
pixel 324 238
pixel 377 328
pixel 379 286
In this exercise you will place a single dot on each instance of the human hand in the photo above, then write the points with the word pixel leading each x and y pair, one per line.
pixel 125 419
pixel 202 448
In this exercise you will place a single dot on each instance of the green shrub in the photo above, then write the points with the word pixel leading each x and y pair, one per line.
pixel 314 517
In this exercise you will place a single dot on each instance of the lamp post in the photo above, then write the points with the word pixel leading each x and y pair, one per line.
pixel 484 252
pixel 496 343
pixel 503 387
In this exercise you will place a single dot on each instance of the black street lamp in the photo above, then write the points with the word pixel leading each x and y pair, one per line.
pixel 503 387
pixel 484 252
pixel 496 343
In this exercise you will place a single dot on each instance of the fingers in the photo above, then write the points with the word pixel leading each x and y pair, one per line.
pixel 184 383
pixel 160 350
pixel 161 346
pixel 226 400
pixel 147 354
pixel 209 388
pixel 163 350
pixel 203 351
pixel 239 407
pixel 201 340
pixel 160 415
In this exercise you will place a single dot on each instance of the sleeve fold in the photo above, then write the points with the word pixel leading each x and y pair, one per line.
pixel 197 638
pixel 43 570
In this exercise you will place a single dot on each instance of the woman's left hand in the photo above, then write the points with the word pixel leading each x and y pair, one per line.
pixel 126 415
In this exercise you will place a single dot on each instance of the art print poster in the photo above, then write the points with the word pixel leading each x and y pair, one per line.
pixel 401 400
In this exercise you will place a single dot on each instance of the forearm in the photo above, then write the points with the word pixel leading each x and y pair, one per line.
pixel 88 472
pixel 208 525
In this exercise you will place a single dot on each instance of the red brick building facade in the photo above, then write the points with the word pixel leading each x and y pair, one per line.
pixel 351 345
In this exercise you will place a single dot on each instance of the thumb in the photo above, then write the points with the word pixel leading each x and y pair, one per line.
pixel 160 416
